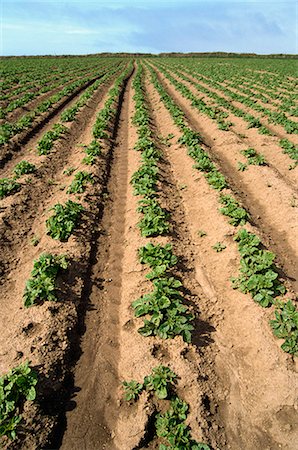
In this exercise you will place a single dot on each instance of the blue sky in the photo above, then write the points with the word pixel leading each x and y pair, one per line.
pixel 78 27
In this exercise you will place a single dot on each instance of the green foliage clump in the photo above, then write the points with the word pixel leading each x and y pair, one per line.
pixel 42 284
pixel 17 386
pixel 22 168
pixel 154 222
pixel 64 220
pixel 46 143
pixel 92 151
pixel 78 185
pixel 232 209
pixel 169 317
pixel 8 186
pixel 289 149
pixel 158 258
pixel 285 325
pixel 258 274
pixel 254 158
pixel 132 390
pixel 170 425
pixel 219 247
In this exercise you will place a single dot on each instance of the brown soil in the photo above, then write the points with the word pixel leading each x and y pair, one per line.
pixel 252 399
pixel 277 130
pixel 240 386
pixel 41 124
pixel 21 210
pixel 261 190
pixel 96 379
pixel 47 335
pixel 249 137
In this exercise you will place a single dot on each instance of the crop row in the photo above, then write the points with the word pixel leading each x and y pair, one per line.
pixel 20 74
pixel 258 274
pixel 8 130
pixel 254 88
pixel 22 101
pixel 251 82
pixel 45 145
pixel 18 385
pixel 276 117
pixel 251 120
pixel 275 83
pixel 166 315
pixel 290 149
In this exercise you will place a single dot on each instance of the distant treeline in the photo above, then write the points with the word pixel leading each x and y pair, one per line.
pixel 171 54
pixel 227 55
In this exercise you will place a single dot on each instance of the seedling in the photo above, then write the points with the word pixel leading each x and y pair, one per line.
pixel 160 381
pixel 165 140
pixel 52 182
pixel 69 171
pixel 232 209
pixel 258 275
pixel 17 386
pixel 69 114
pixel 216 180
pixel 219 247
pixel 242 166
pixel 290 149
pixel 47 141
pixel 154 222
pixel 169 317
pixel 254 158
pixel 132 390
pixel 158 258
pixel 285 326
pixel 42 284
pixel 61 225
pixel 35 241
pixel 92 151
pixel 81 179
pixel 169 425
pixel 22 168
pixel 8 186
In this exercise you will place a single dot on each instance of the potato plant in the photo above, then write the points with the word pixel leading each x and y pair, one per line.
pixel 8 186
pixel 16 387
pixel 170 423
pixel 258 274
pixel 80 182
pixel 22 168
pixel 46 143
pixel 42 284
pixel 64 220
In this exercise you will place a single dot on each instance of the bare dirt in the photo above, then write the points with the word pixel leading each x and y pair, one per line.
pixel 241 387
pixel 48 335
pixel 276 129
pixel 19 212
pixel 41 124
pixel 268 197
pixel 248 397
